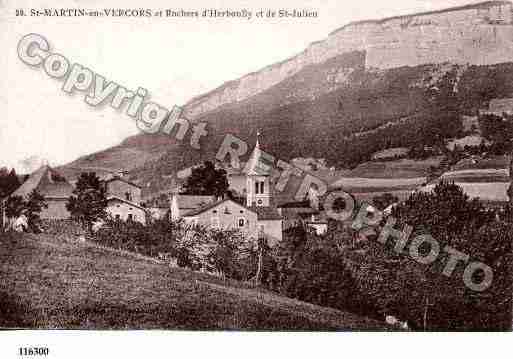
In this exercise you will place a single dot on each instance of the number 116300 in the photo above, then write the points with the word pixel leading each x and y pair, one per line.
pixel 33 351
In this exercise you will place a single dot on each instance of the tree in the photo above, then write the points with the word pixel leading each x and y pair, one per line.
pixel 88 203
pixel 14 206
pixel 9 182
pixel 315 270
pixel 420 293
pixel 34 206
pixel 446 212
pixel 207 180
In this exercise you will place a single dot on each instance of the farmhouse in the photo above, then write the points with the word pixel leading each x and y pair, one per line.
pixel 303 212
pixel 123 200
pixel 53 187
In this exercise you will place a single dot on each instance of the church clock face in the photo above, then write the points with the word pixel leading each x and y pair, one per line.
pixel 260 201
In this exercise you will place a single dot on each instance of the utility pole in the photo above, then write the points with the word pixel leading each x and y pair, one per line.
pixel 426 306
pixel 2 209
pixel 258 276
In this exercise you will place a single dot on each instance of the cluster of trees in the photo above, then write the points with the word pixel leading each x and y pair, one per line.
pixel 499 131
pixel 414 291
pixel 348 272
pixel 317 269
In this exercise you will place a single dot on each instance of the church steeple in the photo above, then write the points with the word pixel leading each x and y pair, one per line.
pixel 257 144
pixel 257 178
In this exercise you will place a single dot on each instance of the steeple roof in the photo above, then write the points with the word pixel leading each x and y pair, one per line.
pixel 257 165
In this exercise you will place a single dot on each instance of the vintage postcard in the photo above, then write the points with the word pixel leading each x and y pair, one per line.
pixel 194 168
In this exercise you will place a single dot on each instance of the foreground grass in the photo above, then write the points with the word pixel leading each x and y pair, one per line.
pixel 49 284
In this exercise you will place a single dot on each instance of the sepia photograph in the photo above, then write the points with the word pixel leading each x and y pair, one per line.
pixel 183 169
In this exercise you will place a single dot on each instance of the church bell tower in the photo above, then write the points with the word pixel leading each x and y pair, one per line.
pixel 258 185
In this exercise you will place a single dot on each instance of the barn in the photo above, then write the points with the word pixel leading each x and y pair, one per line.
pixel 55 189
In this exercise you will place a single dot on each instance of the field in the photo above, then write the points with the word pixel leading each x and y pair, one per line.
pixel 47 283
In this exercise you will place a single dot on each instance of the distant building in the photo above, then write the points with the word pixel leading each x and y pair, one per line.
pixel 295 213
pixel 55 189
pixel 499 106
pixel 124 200
pixel 119 187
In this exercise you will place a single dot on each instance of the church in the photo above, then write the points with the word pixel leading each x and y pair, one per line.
pixel 257 216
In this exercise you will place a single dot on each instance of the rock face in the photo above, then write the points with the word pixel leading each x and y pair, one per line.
pixel 480 34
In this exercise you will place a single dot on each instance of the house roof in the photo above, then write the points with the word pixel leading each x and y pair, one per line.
pixel 115 198
pixel 209 206
pixel 118 178
pixel 263 213
pixel 47 182
pixel 193 202
pixel 296 213
pixel 267 213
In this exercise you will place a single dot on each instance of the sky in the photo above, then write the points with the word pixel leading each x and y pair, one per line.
pixel 175 59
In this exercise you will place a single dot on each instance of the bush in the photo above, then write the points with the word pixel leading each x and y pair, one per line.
pixel 413 291
pixel 318 271
pixel 223 252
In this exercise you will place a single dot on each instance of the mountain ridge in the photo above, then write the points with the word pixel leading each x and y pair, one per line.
pixel 482 34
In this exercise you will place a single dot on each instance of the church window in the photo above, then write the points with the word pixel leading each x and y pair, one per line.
pixel 241 222
pixel 259 187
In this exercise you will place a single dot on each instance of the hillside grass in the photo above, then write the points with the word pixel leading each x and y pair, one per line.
pixel 47 283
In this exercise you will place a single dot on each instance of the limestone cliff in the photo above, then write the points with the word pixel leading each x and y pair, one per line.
pixel 479 34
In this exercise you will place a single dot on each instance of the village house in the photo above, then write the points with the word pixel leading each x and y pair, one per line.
pixel 182 205
pixel 295 213
pixel 174 205
pixel 55 189
pixel 124 200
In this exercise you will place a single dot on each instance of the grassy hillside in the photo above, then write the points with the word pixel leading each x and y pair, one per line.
pixel 50 284
pixel 132 153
